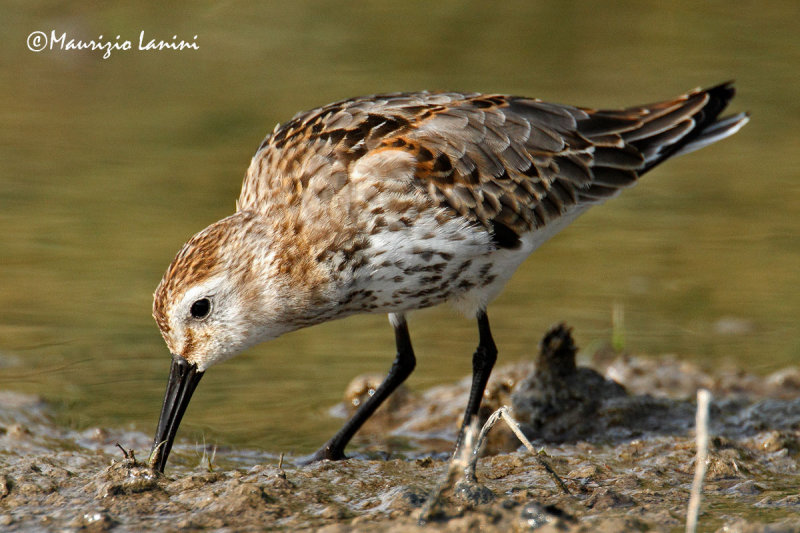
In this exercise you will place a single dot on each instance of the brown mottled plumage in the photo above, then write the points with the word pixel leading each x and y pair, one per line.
pixel 396 202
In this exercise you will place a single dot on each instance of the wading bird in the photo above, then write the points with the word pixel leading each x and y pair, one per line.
pixel 391 203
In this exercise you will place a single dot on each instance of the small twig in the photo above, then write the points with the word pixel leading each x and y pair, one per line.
pixel 701 434
pixel 466 460
pixel 618 327
pixel 205 458
pixel 124 451
pixel 211 459
pixel 469 471
pixel 502 413
pixel 281 472
pixel 155 454
pixel 457 465
pixel 544 464
pixel 127 454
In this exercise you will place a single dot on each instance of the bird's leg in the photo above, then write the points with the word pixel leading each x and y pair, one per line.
pixel 482 362
pixel 402 367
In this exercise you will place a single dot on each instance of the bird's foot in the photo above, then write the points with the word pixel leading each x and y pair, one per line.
pixel 331 453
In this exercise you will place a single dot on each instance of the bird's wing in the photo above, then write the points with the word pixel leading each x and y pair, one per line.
pixel 508 163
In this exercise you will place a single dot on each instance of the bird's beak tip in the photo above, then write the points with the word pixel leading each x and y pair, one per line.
pixel 183 379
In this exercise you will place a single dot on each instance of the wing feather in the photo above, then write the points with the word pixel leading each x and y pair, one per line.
pixel 506 163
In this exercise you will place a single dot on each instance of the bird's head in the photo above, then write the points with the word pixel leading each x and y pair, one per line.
pixel 230 287
pixel 218 296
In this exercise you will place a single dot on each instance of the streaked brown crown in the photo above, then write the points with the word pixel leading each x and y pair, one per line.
pixel 199 259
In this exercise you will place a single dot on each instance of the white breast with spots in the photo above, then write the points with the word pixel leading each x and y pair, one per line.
pixel 424 263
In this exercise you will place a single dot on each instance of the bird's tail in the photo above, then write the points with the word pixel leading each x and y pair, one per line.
pixel 666 129
pixel 701 110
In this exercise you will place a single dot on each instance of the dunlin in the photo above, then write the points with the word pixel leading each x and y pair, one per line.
pixel 390 203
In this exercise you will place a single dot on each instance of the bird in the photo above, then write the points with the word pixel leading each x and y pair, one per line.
pixel 396 202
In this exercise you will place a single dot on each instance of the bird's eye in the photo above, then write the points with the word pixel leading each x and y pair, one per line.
pixel 201 308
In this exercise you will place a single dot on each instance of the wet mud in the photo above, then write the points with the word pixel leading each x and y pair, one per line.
pixel 617 430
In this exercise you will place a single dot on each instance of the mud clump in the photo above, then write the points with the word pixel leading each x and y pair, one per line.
pixel 560 401
pixel 126 477
pixel 619 435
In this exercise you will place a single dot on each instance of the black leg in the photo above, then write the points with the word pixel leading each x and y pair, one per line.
pixel 402 367
pixel 482 363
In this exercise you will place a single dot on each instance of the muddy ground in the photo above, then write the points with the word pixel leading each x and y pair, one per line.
pixel 620 435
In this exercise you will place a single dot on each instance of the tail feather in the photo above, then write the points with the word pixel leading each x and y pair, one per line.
pixel 629 142
pixel 694 126
pixel 715 132
pixel 658 123
pixel 665 129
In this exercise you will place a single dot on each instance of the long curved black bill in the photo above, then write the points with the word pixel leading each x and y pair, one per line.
pixel 183 379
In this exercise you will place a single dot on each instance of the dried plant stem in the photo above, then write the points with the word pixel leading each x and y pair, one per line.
pixel 466 460
pixel 502 413
pixel 701 430
pixel 457 465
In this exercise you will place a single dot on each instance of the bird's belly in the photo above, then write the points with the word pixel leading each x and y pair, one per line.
pixel 460 265
pixel 416 285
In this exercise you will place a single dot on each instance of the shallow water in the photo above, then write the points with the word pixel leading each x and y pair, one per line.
pixel 109 165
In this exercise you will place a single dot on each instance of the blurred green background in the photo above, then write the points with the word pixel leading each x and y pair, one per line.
pixel 109 165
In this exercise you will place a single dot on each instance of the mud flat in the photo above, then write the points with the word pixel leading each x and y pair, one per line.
pixel 620 435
